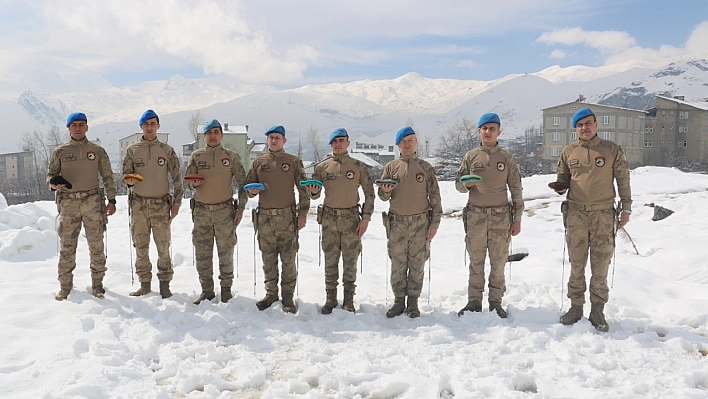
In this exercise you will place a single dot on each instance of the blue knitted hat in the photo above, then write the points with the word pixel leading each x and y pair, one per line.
pixel 149 114
pixel 406 131
pixel 341 132
pixel 581 114
pixel 488 118
pixel 276 129
pixel 76 116
pixel 214 123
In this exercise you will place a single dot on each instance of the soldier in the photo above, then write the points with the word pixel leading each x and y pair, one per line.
pixel 73 173
pixel 587 170
pixel 151 205
pixel 342 224
pixel 412 221
pixel 214 212
pixel 278 219
pixel 488 218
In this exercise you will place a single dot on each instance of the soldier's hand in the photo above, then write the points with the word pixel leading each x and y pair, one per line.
pixel 314 189
pixel 301 221
pixel 624 219
pixel 197 183
pixel 237 217
pixel 362 226
pixel 130 181
pixel 110 209
pixel 387 188
pixel 431 233
pixel 471 184
pixel 254 191
pixel 57 186
pixel 174 211
pixel 515 228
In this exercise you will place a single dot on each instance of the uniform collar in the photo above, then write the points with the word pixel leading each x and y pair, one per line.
pixel 489 149
pixel 79 142
pixel 275 154
pixel 409 157
pixel 340 158
pixel 590 143
pixel 213 149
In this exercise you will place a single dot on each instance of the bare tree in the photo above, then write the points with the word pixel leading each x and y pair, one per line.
pixel 193 124
pixel 453 145
pixel 299 147
pixel 313 138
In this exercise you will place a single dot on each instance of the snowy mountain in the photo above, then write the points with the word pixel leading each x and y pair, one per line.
pixel 43 108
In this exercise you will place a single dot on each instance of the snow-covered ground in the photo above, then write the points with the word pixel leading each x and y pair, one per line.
pixel 124 347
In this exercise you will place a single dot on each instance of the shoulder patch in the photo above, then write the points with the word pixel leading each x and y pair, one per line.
pixel 600 161
pixel 350 174
pixel 501 166
pixel 420 177
pixel 91 155
pixel 285 167
pixel 161 161
pixel 226 162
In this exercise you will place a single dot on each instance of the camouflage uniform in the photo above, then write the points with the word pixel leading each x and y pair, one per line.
pixel 213 211
pixel 415 207
pixel 590 168
pixel 80 163
pixel 277 216
pixel 487 217
pixel 150 204
pixel 342 176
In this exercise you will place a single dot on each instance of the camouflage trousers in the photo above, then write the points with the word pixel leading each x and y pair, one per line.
pixel 74 212
pixel 593 231
pixel 339 236
pixel 278 235
pixel 149 215
pixel 487 231
pixel 210 225
pixel 408 250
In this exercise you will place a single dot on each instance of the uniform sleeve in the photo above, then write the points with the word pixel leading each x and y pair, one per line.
pixel 621 174
pixel 240 175
pixel 463 170
pixel 252 176
pixel 54 167
pixel 367 185
pixel 563 173
pixel 316 175
pixel 104 168
pixel 303 205
pixel 191 169
pixel 513 181
pixel 128 164
pixel 176 176
pixel 434 197
pixel 384 196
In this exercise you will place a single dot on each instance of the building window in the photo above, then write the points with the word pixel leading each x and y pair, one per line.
pixel 555 152
pixel 705 143
pixel 573 135
pixel 648 143
pixel 606 120
pixel 683 115
pixel 555 136
pixel 682 143
pixel 605 135
pixel 663 112
pixel 556 120
pixel 649 129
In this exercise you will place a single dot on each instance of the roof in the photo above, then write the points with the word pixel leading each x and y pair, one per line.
pixel 702 105
pixel 258 148
pixel 587 105
pixel 363 158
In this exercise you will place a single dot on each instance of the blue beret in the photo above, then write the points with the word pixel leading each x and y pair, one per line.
pixel 149 114
pixel 581 114
pixel 341 132
pixel 488 118
pixel 76 116
pixel 212 124
pixel 406 131
pixel 276 129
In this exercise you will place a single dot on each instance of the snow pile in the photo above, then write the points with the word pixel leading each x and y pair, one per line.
pixel 27 231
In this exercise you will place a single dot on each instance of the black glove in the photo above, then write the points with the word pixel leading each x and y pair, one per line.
pixel 57 180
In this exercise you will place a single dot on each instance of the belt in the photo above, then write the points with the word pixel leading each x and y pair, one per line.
pixel 276 211
pixel 490 210
pixel 214 207
pixel 591 207
pixel 407 218
pixel 339 211
pixel 151 200
pixel 79 194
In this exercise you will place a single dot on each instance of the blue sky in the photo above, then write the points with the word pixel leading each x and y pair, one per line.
pixel 83 45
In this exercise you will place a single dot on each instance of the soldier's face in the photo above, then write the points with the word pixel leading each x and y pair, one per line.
pixel 489 133
pixel 150 128
pixel 213 136
pixel 586 128
pixel 340 145
pixel 78 130
pixel 408 145
pixel 276 141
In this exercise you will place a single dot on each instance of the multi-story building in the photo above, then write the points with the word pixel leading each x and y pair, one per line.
pixel 380 153
pixel 621 125
pixel 16 166
pixel 134 138
pixel 676 133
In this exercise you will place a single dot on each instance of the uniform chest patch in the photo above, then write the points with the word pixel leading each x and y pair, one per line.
pixel 350 174
pixel 420 177
pixel 477 167
pixel 501 166
pixel 68 157
pixel 574 163
pixel 91 155
pixel 226 162
pixel 161 161
pixel 329 176
pixel 285 167
pixel 202 165
pixel 264 168
pixel 600 161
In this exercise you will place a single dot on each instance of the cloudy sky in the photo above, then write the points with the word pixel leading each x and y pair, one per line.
pixel 82 45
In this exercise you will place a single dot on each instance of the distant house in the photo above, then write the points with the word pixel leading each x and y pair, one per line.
pixel 134 138
pixel 676 133
pixel 622 125
pixel 380 153
pixel 16 166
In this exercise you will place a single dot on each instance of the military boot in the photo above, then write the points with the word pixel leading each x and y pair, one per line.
pixel 331 302
pixel 574 314
pixel 143 290
pixel 399 306
pixel 97 289
pixel 597 318
pixel 472 306
pixel 348 304
pixel 205 296
pixel 412 308
pixel 268 300
pixel 288 304
pixel 63 293
pixel 497 307
pixel 165 289
pixel 226 294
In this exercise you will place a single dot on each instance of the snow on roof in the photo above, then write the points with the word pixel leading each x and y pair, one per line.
pixel 699 105
pixel 584 105
pixel 363 158
pixel 258 148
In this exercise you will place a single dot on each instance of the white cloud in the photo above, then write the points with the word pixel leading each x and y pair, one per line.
pixel 557 54
pixel 609 41
pixel 467 64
